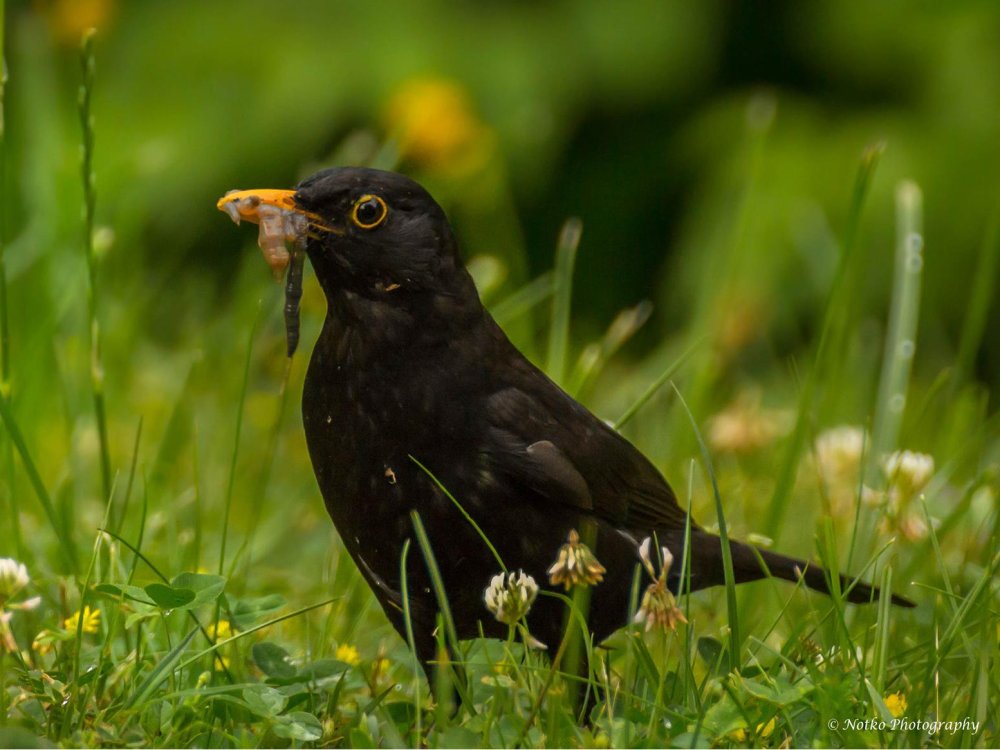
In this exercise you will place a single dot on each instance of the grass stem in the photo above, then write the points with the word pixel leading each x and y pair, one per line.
pixel 88 68
pixel 240 407
pixel 901 336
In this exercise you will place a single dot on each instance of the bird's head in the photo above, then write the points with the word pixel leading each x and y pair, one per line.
pixel 369 233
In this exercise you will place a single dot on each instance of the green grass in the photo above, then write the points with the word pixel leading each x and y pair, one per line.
pixel 167 488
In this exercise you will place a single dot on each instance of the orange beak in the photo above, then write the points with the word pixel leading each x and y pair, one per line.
pixel 244 205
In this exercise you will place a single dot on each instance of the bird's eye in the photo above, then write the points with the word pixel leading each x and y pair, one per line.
pixel 369 211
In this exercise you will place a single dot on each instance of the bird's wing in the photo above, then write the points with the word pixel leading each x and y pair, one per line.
pixel 548 444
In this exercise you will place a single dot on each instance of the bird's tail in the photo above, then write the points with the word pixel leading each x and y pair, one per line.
pixel 751 564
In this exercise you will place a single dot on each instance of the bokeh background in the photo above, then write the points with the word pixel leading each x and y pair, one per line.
pixel 710 150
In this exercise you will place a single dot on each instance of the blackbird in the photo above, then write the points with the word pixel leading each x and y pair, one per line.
pixel 410 365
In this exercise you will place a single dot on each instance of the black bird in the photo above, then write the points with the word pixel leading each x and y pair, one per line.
pixel 410 364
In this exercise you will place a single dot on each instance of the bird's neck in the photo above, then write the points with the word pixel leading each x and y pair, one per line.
pixel 396 325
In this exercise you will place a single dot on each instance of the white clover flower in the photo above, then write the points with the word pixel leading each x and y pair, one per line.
pixel 510 595
pixel 909 471
pixel 745 425
pixel 13 577
pixel 647 562
pixel 576 565
pixel 838 453
pixel 658 607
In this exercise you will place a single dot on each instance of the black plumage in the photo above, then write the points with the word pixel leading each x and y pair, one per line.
pixel 410 364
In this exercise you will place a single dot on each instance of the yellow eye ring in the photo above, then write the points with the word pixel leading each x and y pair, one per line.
pixel 369 211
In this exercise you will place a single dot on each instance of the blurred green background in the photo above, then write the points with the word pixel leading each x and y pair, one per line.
pixel 709 148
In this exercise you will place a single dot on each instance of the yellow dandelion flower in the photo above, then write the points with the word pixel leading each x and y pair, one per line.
pixel 436 126
pixel 220 631
pixel 69 19
pixel 221 663
pixel 348 654
pixel 91 620
pixel 896 703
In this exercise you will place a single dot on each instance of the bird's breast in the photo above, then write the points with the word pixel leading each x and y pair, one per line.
pixel 367 418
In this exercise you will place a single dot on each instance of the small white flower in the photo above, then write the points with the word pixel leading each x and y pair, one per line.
pixel 13 577
pixel 647 562
pixel 838 453
pixel 576 565
pixel 510 596
pixel 745 425
pixel 908 471
pixel 658 607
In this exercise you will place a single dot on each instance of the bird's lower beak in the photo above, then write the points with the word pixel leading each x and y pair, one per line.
pixel 281 220
pixel 245 205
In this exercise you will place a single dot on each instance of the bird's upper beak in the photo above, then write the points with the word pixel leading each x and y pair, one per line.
pixel 245 204
pixel 280 218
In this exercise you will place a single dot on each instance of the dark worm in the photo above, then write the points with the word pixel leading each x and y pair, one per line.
pixel 293 296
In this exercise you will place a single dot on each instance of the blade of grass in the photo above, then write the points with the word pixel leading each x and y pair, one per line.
pixel 653 387
pixel 264 480
pixel 85 587
pixel 136 553
pixel 836 321
pixel 537 705
pixel 882 629
pixel 518 303
pixel 596 355
pixel 131 478
pixel 954 627
pixel 875 694
pixel 408 622
pixel 465 514
pixel 569 242
pixel 727 555
pixel 76 698
pixel 231 481
pixel 444 678
pixel 161 671
pixel 900 341
pixel 831 562
pixel 579 609
pixel 443 606
pixel 107 645
pixel 684 588
pixel 249 631
pixel 66 545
